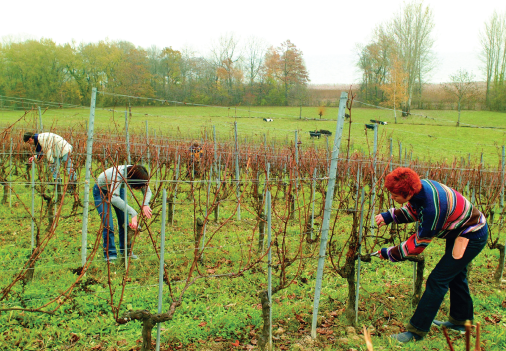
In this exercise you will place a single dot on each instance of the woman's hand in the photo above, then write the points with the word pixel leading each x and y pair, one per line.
pixel 380 221
pixel 133 222
pixel 378 254
pixel 147 211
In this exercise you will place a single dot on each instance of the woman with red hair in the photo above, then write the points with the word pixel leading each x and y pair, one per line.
pixel 443 213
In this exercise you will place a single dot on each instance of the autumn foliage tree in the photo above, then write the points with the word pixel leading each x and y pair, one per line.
pixel 395 88
pixel 232 74
pixel 286 66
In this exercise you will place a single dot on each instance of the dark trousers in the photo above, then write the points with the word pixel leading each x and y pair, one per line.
pixel 449 273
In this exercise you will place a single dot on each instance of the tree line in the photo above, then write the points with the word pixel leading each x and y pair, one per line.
pixel 396 62
pixel 250 73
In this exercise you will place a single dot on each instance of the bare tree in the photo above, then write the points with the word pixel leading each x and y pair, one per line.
pixel 462 87
pixel 411 30
pixel 493 54
pixel 226 58
pixel 254 53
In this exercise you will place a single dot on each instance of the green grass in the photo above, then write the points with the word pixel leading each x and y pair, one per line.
pixel 217 311
pixel 434 138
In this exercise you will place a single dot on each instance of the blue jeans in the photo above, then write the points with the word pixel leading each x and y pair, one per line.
pixel 104 209
pixel 451 274
pixel 59 161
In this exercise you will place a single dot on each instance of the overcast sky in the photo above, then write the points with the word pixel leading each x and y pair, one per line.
pixel 327 32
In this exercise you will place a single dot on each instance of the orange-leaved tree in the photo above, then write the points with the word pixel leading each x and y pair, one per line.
pixel 395 88
pixel 285 65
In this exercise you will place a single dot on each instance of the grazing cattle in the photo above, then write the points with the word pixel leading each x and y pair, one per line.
pixel 268 119
pixel 379 122
pixel 314 134
pixel 326 132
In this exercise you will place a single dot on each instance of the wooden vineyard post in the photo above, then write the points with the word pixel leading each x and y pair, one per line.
pixel 503 258
pixel 237 177
pixel 502 179
pixel 414 273
pixel 41 128
pixel 269 263
pixel 33 206
pixel 313 199
pixel 361 226
pixel 207 213
pixel 10 174
pixel 373 193
pixel 391 155
pixel 296 161
pixel 328 207
pixel 261 229
pixel 217 171
pixel 127 138
pixel 174 197
pixel 147 148
pixel 126 249
pixel 162 262
pixel 105 156
pixel 218 186
pixel 89 149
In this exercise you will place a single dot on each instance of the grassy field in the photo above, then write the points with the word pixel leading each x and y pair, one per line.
pixel 215 312
pixel 224 313
pixel 431 136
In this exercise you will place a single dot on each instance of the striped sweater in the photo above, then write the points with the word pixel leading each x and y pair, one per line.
pixel 441 211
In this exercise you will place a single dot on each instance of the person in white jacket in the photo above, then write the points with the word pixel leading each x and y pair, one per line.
pixel 109 193
pixel 56 150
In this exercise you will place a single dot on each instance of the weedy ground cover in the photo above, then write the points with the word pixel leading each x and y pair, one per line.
pixel 224 310
pixel 220 312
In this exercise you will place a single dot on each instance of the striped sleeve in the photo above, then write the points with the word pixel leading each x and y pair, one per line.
pixel 411 247
pixel 405 214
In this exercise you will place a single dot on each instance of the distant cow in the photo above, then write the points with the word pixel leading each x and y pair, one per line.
pixel 326 132
pixel 379 122
pixel 315 134
pixel 268 119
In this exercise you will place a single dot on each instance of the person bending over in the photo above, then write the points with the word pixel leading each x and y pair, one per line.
pixel 109 194
pixel 442 213
pixel 56 150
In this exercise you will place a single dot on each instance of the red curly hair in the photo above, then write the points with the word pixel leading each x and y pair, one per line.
pixel 404 182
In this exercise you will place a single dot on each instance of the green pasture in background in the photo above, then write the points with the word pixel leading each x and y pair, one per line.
pixel 428 134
